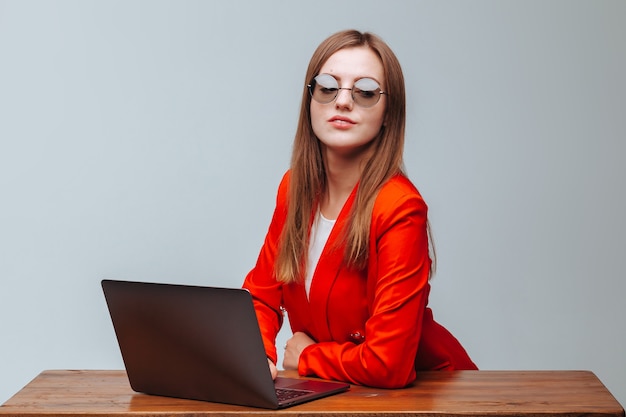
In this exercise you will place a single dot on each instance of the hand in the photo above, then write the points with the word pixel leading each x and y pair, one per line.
pixel 294 347
pixel 273 369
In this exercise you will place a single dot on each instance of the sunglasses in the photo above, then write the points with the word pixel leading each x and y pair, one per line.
pixel 324 88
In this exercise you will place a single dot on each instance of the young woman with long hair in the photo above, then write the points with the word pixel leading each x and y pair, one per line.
pixel 347 254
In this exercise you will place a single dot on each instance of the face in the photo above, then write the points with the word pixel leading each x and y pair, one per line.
pixel 341 125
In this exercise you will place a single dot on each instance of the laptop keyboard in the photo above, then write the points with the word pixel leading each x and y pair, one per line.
pixel 289 394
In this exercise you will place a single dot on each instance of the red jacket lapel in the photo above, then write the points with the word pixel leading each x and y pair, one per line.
pixel 327 271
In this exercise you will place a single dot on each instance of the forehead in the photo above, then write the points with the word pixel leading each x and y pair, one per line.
pixel 354 63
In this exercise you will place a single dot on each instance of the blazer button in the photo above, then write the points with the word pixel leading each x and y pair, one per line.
pixel 357 337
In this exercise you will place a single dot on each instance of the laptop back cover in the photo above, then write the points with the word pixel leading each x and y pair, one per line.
pixel 191 342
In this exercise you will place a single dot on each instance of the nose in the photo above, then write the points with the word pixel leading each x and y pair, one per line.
pixel 344 98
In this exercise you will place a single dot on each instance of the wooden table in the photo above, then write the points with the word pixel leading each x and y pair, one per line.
pixel 461 393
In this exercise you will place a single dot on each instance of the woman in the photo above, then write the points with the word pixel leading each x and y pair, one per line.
pixel 347 251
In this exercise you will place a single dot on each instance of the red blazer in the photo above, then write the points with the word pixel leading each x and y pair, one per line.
pixel 372 327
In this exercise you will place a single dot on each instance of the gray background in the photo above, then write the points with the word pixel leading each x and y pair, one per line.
pixel 145 139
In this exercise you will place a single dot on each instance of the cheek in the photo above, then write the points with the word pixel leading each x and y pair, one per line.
pixel 382 114
pixel 317 119
pixel 376 120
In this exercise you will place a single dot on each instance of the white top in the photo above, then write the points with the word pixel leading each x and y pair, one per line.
pixel 320 230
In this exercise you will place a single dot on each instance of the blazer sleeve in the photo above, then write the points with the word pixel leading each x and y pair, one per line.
pixel 261 281
pixel 397 288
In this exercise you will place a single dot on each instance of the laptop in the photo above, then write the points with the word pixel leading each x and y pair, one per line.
pixel 200 343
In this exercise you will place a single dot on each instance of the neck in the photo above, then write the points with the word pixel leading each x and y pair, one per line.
pixel 342 175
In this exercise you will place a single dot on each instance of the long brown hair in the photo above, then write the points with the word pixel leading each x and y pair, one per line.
pixel 308 179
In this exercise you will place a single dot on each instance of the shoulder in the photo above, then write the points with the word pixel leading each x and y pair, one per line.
pixel 399 190
pixel 398 201
pixel 283 187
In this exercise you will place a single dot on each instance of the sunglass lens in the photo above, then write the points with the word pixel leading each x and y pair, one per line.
pixel 324 88
pixel 366 92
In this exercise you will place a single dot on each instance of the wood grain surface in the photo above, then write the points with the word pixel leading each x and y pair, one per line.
pixel 461 393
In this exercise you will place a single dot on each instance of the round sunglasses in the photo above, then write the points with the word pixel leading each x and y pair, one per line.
pixel 365 92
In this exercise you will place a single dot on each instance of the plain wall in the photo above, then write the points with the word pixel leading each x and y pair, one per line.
pixel 145 140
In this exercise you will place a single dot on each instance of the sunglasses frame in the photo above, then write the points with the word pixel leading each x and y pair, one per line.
pixel 314 82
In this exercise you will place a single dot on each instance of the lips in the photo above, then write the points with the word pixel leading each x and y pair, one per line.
pixel 341 122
